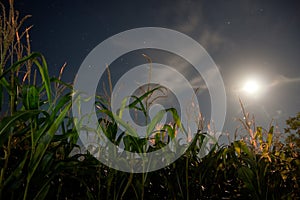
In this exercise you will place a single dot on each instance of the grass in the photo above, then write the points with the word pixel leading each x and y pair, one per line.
pixel 38 163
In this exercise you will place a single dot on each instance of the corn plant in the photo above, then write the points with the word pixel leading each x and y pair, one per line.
pixel 40 157
pixel 28 131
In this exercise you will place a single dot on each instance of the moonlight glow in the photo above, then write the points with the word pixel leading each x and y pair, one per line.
pixel 251 87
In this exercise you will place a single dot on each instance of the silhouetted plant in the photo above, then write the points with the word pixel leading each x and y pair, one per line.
pixel 40 158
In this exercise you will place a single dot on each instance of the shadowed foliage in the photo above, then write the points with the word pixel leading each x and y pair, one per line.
pixel 40 158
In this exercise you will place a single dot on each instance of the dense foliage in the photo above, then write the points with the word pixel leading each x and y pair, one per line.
pixel 38 138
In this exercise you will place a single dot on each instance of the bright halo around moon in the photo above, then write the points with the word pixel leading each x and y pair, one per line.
pixel 251 87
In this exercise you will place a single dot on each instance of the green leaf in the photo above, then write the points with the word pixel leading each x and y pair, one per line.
pixel 134 144
pixel 44 142
pixel 30 97
pixel 247 176
pixel 171 130
pixel 156 119
pixel 259 135
pixel 19 63
pixel 1 96
pixel 45 76
pixel 142 108
pixel 9 122
pixel 56 80
pixel 123 105
pixel 241 146
pixel 118 140
pixel 175 117
pixel 141 98
pixel 127 127
pixel 270 137
pixel 15 175
pixel 42 193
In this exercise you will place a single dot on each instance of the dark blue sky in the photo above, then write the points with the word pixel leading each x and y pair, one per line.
pixel 244 38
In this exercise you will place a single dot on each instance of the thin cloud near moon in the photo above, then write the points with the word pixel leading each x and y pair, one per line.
pixel 281 79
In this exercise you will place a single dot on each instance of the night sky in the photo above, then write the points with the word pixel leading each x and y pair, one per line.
pixel 246 39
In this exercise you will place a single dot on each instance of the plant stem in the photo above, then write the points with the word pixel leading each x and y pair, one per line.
pixel 6 156
pixel 187 177
pixel 12 96
pixel 26 189
pixel 127 185
pixel 143 185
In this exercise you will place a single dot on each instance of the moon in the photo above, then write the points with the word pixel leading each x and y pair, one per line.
pixel 251 87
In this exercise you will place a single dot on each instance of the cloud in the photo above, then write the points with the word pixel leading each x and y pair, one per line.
pixel 187 17
pixel 185 69
pixel 281 79
pixel 194 20
pixel 211 40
